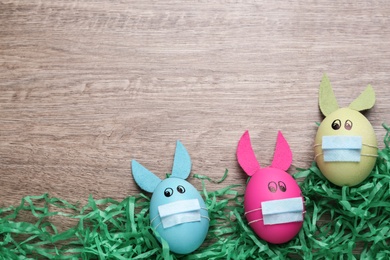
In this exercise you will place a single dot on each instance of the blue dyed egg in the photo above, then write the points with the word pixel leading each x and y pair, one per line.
pixel 178 212
pixel 183 234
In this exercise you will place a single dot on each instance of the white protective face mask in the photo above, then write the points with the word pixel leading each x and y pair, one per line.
pixel 342 148
pixel 282 211
pixel 178 212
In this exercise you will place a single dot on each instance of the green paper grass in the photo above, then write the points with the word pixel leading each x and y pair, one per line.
pixel 342 223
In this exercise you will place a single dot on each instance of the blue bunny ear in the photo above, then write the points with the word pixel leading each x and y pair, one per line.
pixel 181 162
pixel 143 177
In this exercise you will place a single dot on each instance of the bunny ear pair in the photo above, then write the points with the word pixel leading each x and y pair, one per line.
pixel 328 102
pixel 247 158
pixel 148 181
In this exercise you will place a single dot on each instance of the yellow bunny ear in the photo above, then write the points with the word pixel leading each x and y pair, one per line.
pixel 326 97
pixel 364 101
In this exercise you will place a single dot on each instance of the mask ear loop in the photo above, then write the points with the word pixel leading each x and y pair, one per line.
pixel 251 211
pixel 260 219
pixel 319 154
pixel 255 220
pixel 151 222
pixel 205 217
pixel 367 154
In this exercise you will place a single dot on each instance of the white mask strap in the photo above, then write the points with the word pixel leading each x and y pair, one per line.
pixel 205 217
pixel 362 154
pixel 178 212
pixel 280 211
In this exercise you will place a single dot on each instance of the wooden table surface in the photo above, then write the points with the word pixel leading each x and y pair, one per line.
pixel 87 86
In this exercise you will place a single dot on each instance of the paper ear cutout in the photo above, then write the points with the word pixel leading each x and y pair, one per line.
pixel 328 102
pixel 365 100
pixel 282 155
pixel 181 162
pixel 247 158
pixel 245 155
pixel 327 99
pixel 148 181
pixel 143 177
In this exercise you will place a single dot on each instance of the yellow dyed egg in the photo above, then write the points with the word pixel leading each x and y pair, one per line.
pixel 345 147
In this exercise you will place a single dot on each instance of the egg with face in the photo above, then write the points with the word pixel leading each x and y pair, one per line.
pixel 345 144
pixel 273 202
pixel 178 212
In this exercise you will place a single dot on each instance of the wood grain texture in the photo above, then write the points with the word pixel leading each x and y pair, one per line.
pixel 86 86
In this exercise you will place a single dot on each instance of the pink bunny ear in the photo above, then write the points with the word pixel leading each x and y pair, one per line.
pixel 282 156
pixel 245 155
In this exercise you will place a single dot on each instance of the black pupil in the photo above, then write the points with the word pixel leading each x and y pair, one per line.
pixel 180 189
pixel 272 186
pixel 348 125
pixel 282 186
pixel 336 124
pixel 168 192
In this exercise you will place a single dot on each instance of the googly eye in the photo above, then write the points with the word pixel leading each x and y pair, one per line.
pixel 168 192
pixel 282 186
pixel 348 125
pixel 272 186
pixel 181 189
pixel 336 124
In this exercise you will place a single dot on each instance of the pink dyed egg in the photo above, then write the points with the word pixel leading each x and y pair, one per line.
pixel 273 202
